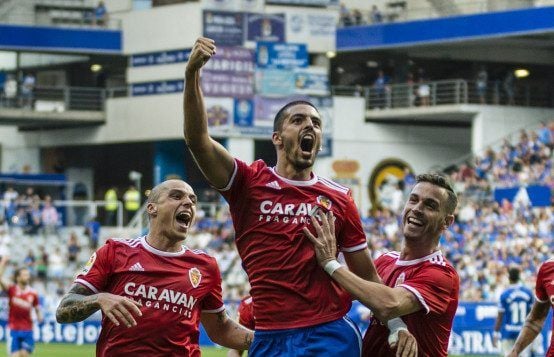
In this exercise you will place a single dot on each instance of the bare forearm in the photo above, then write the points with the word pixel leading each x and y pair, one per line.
pixel 195 124
pixel 226 332
pixel 385 302
pixel 361 264
pixel 235 336
pixel 532 326
pixel 526 336
pixel 76 307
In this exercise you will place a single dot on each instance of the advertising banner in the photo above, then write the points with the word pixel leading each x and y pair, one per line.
pixel 275 82
pixel 471 331
pixel 281 55
pixel 225 27
pixel 234 5
pixel 320 26
pixel 159 58
pixel 312 80
pixel 158 87
pixel 243 113
pixel 534 195
pixel 265 27
pixel 319 3
pixel 230 73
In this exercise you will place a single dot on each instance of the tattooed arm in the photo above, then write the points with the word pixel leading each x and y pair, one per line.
pixel 80 302
pixel 226 332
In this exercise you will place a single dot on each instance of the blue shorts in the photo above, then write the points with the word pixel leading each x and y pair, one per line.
pixel 336 338
pixel 21 340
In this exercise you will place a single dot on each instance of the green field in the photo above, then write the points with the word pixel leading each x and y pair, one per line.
pixel 64 350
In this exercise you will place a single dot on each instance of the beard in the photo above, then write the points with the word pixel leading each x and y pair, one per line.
pixel 298 162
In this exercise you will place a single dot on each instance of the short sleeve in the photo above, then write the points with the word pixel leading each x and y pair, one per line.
pixel 433 287
pixel 540 291
pixel 246 315
pixel 238 180
pixel 96 272
pixel 352 237
pixel 213 300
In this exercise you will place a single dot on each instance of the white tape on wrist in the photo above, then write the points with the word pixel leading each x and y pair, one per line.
pixel 395 326
pixel 331 266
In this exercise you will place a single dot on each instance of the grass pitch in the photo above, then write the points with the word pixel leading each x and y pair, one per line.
pixel 68 350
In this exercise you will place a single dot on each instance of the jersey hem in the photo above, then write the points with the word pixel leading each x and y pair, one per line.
pixel 418 296
pixel 299 324
pixel 215 311
pixel 355 248
pixel 231 180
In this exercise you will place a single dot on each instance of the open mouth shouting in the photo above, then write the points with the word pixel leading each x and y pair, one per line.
pixel 307 142
pixel 184 220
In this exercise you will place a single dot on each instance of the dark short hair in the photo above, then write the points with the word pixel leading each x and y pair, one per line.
pixel 513 274
pixel 17 272
pixel 280 116
pixel 441 181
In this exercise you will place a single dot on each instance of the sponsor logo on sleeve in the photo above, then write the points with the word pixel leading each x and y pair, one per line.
pixel 89 264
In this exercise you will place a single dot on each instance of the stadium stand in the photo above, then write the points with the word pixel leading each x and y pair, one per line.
pixel 110 104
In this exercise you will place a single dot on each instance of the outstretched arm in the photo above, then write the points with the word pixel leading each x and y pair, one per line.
pixel 80 302
pixel 3 263
pixel 213 159
pixel 226 332
pixel 532 327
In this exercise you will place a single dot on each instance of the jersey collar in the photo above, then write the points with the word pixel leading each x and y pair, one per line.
pixel 419 260
pixel 310 182
pixel 153 250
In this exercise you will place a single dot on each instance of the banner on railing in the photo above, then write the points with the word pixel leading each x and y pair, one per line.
pixel 534 195
pixel 472 329
pixel 160 58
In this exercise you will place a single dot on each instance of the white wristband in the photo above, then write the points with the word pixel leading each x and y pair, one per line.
pixel 331 266
pixel 395 325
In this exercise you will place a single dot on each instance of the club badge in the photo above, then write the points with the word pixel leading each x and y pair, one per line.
pixel 195 277
pixel 324 202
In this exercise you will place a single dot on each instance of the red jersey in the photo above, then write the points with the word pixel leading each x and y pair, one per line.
pixel 435 283
pixel 289 288
pixel 246 315
pixel 172 288
pixel 544 291
pixel 21 302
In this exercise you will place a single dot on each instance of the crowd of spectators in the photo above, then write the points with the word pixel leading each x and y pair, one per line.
pixel 486 238
pixel 29 211
pixel 356 17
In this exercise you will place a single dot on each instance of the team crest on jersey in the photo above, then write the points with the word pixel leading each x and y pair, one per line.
pixel 400 280
pixel 195 277
pixel 89 264
pixel 324 202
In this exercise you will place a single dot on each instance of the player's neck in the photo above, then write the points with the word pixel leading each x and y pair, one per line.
pixel 411 252
pixel 22 286
pixel 287 170
pixel 163 243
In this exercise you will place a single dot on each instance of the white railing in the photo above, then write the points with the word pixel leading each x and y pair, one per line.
pixel 49 98
pixel 395 11
pixel 445 92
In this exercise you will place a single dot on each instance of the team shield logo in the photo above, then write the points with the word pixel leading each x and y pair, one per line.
pixel 195 277
pixel 400 280
pixel 324 202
